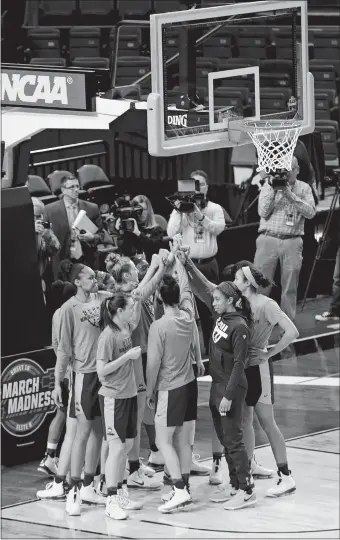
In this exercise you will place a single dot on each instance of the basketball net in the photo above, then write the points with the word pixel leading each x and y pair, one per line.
pixel 275 140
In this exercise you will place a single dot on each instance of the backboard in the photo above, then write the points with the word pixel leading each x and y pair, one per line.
pixel 213 67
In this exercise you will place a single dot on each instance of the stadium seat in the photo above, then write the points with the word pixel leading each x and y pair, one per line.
pixel 324 75
pixel 172 42
pixel 93 179
pixel 276 73
pixel 130 40
pixel 96 7
pixel 44 42
pixel 221 45
pixel 131 68
pixel 58 7
pixel 91 62
pixel 326 44
pixel 203 67
pixel 48 61
pixel 252 43
pixel 38 188
pixel 84 41
pixel 133 8
pixel 330 139
pixel 166 6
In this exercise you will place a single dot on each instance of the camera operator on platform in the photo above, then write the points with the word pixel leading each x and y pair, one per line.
pixel 284 204
pixel 199 230
pixel 143 234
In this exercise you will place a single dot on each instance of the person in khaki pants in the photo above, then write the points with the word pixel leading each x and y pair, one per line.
pixel 283 212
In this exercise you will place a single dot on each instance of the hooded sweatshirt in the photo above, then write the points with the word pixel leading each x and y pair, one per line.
pixel 228 348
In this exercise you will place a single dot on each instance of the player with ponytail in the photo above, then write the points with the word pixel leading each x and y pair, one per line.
pixel 228 353
pixel 267 314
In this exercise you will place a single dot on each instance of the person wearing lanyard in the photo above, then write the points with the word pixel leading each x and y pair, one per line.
pixel 283 212
pixel 200 230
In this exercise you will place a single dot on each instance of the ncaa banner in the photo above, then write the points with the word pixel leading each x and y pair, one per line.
pixel 27 408
pixel 25 87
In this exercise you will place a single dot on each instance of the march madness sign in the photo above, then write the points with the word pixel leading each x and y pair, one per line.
pixel 27 407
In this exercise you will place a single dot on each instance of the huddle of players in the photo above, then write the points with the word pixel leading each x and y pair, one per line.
pixel 101 340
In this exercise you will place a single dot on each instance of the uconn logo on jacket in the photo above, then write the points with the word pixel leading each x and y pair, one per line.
pixel 220 330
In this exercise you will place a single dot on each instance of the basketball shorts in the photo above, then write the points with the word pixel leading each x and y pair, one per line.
pixel 83 397
pixel 64 393
pixel 174 407
pixel 260 384
pixel 119 417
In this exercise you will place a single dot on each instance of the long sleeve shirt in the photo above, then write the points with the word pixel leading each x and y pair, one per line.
pixel 200 236
pixel 228 349
pixel 279 215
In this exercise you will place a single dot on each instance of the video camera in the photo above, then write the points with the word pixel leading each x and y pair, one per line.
pixel 188 196
pixel 279 179
pixel 127 211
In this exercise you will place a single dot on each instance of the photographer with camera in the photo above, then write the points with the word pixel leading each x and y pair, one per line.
pixel 284 204
pixel 137 227
pixel 199 221
pixel 46 241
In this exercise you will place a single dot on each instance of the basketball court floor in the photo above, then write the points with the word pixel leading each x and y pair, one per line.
pixel 307 411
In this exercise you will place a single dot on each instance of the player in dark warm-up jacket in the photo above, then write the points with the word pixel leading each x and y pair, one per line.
pixel 228 351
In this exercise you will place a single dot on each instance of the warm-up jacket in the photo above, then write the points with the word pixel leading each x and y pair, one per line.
pixel 228 348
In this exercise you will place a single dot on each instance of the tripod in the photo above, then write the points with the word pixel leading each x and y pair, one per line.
pixel 324 236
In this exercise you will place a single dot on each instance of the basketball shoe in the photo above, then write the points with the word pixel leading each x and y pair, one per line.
pixel 285 486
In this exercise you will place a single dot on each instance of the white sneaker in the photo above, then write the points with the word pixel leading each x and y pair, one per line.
pixel 197 468
pixel 148 471
pixel 223 493
pixel 126 503
pixel 138 480
pixel 257 471
pixel 242 499
pixel 284 486
pixel 53 491
pixel 156 461
pixel 216 476
pixel 73 502
pixel 48 465
pixel 179 499
pixel 167 496
pixel 113 510
pixel 327 316
pixel 88 495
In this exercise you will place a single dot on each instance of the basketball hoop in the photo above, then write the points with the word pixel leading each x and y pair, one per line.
pixel 275 141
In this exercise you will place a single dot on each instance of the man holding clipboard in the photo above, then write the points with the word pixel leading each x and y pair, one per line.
pixel 76 223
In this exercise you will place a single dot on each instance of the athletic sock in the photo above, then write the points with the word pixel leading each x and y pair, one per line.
pixel 133 466
pixel 151 433
pixel 111 491
pixel 59 478
pixel 217 456
pixel 88 479
pixel 283 468
pixel 185 477
pixel 75 482
pixel 179 484
pixel 125 482
pixel 51 449
pixel 97 473
pixel 120 485
pixel 102 478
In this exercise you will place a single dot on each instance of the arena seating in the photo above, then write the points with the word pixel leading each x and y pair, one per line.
pixel 270 48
